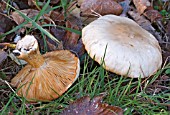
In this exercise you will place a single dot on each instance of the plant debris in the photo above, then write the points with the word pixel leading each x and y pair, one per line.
pixel 86 106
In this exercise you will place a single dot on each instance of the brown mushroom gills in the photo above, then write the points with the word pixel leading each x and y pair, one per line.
pixel 47 76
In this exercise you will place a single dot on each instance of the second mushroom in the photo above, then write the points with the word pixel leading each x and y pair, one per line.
pixel 123 46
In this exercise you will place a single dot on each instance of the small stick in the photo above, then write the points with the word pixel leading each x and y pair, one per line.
pixel 96 14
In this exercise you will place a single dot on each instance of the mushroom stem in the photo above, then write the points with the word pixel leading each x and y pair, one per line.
pixel 35 59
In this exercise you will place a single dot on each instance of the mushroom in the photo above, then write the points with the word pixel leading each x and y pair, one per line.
pixel 47 76
pixel 125 48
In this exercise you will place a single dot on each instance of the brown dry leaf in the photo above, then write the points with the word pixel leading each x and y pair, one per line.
pixel 51 45
pixel 56 16
pixel 28 12
pixel 71 40
pixel 6 23
pixel 21 4
pixel 141 5
pixel 144 7
pixel 3 56
pixel 153 15
pixel 75 11
pixel 101 7
pixel 58 32
pixel 85 106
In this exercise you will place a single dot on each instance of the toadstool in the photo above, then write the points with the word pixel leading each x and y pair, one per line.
pixel 47 76
pixel 129 49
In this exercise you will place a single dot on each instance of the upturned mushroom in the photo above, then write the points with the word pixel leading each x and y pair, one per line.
pixel 125 48
pixel 45 77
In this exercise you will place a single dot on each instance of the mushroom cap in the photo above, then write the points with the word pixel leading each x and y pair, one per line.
pixel 51 79
pixel 127 49
pixel 26 46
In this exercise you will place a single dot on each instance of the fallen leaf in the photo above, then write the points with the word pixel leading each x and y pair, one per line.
pixel 51 45
pixel 153 15
pixel 85 106
pixel 75 11
pixel 6 23
pixel 3 56
pixel 141 5
pixel 145 7
pixel 56 16
pixel 22 4
pixel 29 13
pixel 59 33
pixel 71 40
pixel 101 7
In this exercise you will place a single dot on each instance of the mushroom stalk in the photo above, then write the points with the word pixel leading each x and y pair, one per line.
pixel 35 60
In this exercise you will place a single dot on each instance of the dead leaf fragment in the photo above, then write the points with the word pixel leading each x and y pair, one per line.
pixel 141 5
pixel 6 23
pixel 75 11
pixel 72 41
pixel 56 16
pixel 153 15
pixel 58 32
pixel 101 7
pixel 29 13
pixel 85 106
pixel 22 4
pixel 3 56
pixel 144 7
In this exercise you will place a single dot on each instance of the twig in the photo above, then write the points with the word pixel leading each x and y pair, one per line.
pixel 95 13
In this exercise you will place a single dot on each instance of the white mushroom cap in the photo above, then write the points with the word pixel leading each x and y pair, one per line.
pixel 130 50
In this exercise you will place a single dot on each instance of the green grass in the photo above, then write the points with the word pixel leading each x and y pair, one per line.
pixel 120 92
pixel 130 94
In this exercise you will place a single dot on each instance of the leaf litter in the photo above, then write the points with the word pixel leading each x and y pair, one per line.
pixel 151 15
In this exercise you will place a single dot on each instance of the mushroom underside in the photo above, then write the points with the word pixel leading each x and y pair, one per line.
pixel 52 79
